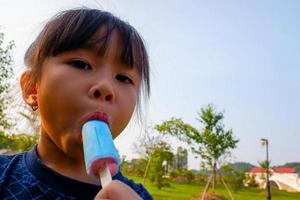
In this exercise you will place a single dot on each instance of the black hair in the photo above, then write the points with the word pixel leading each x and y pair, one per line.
pixel 73 29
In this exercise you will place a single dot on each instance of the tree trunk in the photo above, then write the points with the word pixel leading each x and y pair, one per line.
pixel 214 174
pixel 146 170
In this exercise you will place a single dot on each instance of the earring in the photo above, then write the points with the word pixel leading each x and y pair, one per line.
pixel 33 102
pixel 34 107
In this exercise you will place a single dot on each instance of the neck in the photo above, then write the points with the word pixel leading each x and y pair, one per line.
pixel 55 158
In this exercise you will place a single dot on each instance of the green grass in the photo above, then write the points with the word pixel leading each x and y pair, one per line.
pixel 187 191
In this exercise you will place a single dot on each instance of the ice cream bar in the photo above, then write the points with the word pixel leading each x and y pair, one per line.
pixel 100 155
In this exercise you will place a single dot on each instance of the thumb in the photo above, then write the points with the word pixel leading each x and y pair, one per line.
pixel 102 195
pixel 117 190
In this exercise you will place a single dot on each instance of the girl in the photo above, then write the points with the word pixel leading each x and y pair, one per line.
pixel 84 64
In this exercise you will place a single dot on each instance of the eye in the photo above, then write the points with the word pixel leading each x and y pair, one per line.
pixel 124 78
pixel 80 64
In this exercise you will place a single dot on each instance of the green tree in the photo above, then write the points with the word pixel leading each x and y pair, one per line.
pixel 266 166
pixel 155 152
pixel 234 177
pixel 17 142
pixel 145 148
pixel 160 157
pixel 6 73
pixel 211 142
pixel 189 175
pixel 250 180
pixel 10 142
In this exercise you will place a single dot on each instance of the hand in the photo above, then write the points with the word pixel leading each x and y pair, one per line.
pixel 117 190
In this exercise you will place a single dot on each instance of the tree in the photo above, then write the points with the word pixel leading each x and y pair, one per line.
pixel 234 177
pixel 145 148
pixel 250 180
pixel 160 157
pixel 6 73
pixel 17 142
pixel 265 165
pixel 11 142
pixel 211 142
pixel 157 155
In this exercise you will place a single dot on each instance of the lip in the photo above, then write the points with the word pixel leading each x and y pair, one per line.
pixel 97 116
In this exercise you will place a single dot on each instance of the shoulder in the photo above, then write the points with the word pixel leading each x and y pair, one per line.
pixel 137 187
pixel 8 161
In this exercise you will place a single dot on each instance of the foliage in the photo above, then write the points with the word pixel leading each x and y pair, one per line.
pixel 233 177
pixel 14 142
pixel 189 175
pixel 215 141
pixel 266 166
pixel 17 142
pixel 135 166
pixel 185 175
pixel 157 155
pixel 201 178
pixel 250 180
pixel 6 73
pixel 161 153
pixel 211 142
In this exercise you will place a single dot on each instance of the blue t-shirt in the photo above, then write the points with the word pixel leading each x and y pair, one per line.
pixel 24 176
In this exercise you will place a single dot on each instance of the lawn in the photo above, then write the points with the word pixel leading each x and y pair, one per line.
pixel 187 191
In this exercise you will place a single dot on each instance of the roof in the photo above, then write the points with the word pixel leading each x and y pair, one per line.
pixel 284 170
pixel 280 170
pixel 256 170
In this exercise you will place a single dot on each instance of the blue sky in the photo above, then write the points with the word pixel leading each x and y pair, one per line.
pixel 242 56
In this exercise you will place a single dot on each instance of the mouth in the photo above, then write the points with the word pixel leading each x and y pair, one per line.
pixel 97 116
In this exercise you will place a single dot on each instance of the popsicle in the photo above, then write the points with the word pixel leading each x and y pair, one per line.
pixel 100 155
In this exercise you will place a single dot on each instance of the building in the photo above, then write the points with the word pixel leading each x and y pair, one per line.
pixel 284 178
pixel 180 159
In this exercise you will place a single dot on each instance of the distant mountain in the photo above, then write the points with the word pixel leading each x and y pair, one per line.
pixel 295 165
pixel 237 166
pixel 241 166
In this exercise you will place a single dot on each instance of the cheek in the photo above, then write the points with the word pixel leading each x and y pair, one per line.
pixel 124 113
pixel 54 98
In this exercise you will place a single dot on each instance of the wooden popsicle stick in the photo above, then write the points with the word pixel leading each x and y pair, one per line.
pixel 105 176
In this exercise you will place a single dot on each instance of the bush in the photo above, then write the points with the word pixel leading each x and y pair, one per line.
pixel 188 174
pixel 234 178
pixel 250 180
pixel 200 178
pixel 173 174
pixel 181 179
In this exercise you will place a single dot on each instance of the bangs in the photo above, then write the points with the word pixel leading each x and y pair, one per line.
pixel 74 29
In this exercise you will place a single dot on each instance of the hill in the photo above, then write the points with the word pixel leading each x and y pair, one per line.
pixel 241 166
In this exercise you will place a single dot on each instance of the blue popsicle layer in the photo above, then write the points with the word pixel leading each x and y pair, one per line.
pixel 98 147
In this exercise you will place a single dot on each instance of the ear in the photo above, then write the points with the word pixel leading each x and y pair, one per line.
pixel 28 87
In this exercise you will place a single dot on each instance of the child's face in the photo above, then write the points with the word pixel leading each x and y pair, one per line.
pixel 75 85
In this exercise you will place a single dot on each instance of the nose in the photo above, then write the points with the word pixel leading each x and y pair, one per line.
pixel 103 91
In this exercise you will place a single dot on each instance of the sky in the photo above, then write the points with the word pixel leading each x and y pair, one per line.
pixel 242 56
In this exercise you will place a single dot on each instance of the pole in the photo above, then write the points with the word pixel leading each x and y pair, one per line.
pixel 268 190
pixel 227 188
pixel 206 187
pixel 268 171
